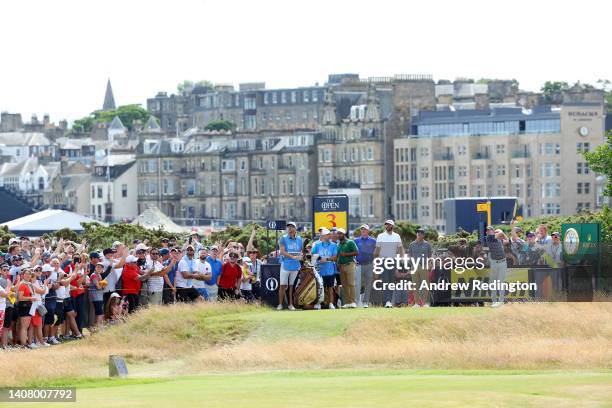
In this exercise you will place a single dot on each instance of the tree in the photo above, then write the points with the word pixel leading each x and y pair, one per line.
pixel 600 161
pixel 127 113
pixel 606 86
pixel 187 85
pixel 219 125
pixel 551 89
pixel 84 125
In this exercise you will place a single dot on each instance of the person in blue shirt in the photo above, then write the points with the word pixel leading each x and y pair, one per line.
pixel 290 246
pixel 215 265
pixel 363 271
pixel 324 254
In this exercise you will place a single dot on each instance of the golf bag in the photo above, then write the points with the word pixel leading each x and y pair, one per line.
pixel 308 288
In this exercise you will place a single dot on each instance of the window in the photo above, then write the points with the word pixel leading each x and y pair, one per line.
pixel 462 171
pixel 582 147
pixel 124 190
pixel 228 165
pixel 266 98
pixel 250 122
pixel 500 149
pixel 305 96
pixel 293 96
pixel 501 190
pixel 283 97
pixel 99 191
pixel 587 188
pixel 190 187
pixel 462 150
pixel 315 96
pixel 550 170
pixel 582 168
pixel 424 172
pixel 551 190
pixel 424 211
pixel 167 166
pixel 551 208
pixel 424 192
pixel 550 149
pixel 462 190
pixel 501 169
pixel 251 103
pixel 424 151
pixel 370 153
pixel 93 192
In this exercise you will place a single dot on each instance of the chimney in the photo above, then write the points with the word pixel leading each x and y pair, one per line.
pixel 46 120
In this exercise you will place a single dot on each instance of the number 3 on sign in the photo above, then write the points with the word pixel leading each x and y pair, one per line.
pixel 331 218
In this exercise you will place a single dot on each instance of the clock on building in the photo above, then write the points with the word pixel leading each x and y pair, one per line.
pixel 584 131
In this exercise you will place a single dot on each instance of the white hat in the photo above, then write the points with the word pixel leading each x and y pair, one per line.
pixel 341 230
pixel 115 294
pixel 141 247
pixel 365 226
pixel 390 222
pixel 291 223
pixel 116 244
pixel 323 231
pixel 131 259
pixel 47 268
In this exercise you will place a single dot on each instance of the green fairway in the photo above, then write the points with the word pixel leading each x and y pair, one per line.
pixel 363 388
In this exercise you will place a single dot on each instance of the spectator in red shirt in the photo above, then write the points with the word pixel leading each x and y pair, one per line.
pixel 229 279
pixel 131 282
pixel 77 289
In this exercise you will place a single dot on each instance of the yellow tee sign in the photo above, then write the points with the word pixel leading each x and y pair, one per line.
pixel 485 207
pixel 330 220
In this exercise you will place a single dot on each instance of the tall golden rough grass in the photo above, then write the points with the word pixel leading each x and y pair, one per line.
pixel 519 336
pixel 516 336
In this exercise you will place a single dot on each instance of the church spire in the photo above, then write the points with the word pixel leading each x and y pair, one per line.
pixel 109 99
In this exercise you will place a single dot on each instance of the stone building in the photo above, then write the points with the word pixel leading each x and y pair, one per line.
pixel 535 155
pixel 217 175
pixel 351 152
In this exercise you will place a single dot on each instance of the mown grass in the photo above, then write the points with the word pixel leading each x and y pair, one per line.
pixel 355 388
pixel 214 338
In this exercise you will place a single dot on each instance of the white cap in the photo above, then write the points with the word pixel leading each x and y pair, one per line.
pixel 341 230
pixel 131 259
pixel 115 294
pixel 47 268
pixel 141 247
pixel 323 231
pixel 116 244
pixel 365 226
pixel 291 223
pixel 390 222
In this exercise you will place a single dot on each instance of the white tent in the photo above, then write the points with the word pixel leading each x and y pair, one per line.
pixel 153 218
pixel 47 221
